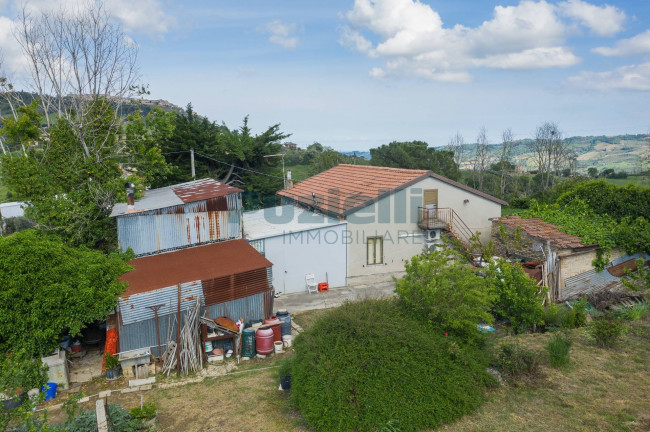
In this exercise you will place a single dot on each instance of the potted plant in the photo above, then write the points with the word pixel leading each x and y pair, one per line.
pixel 112 367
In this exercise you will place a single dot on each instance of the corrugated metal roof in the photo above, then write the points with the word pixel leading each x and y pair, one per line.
pixel 226 288
pixel 347 188
pixel 280 220
pixel 135 308
pixel 592 281
pixel 195 263
pixel 181 226
pixel 177 195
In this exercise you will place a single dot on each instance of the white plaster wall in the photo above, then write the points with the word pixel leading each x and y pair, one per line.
pixel 395 217
pixel 320 251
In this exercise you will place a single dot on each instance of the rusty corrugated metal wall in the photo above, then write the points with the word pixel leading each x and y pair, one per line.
pixel 227 288
pixel 170 228
pixel 142 334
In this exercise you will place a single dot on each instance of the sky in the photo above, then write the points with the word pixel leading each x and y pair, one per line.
pixel 355 74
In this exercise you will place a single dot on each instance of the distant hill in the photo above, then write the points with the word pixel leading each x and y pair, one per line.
pixel 621 152
pixel 128 106
pixel 363 154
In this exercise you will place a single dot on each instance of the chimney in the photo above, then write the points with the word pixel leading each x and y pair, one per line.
pixel 288 183
pixel 130 200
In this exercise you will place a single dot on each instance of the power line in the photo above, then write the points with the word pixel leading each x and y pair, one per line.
pixel 233 165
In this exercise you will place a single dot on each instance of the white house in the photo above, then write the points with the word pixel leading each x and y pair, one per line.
pixel 298 242
pixel 392 214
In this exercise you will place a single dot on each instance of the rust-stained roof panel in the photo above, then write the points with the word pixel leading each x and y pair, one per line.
pixel 198 263
pixel 536 227
pixel 176 195
pixel 345 188
pixel 203 189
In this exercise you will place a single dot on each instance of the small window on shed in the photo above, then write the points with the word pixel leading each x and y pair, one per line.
pixel 375 250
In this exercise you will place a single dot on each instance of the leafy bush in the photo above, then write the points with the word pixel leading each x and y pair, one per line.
pixel 120 419
pixel 447 293
pixel 633 313
pixel 562 317
pixel 606 330
pixel 558 348
pixel 516 296
pixel 513 360
pixel 146 411
pixel 111 362
pixel 368 366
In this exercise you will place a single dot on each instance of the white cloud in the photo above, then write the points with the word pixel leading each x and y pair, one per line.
pixel 632 77
pixel 603 20
pixel 411 39
pixel 639 44
pixel 281 34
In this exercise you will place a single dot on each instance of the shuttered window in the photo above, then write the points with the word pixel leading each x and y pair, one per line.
pixel 375 250
pixel 430 197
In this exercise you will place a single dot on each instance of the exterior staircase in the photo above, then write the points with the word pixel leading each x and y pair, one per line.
pixel 446 219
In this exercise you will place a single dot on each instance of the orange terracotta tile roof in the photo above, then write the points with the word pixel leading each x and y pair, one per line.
pixel 536 227
pixel 346 188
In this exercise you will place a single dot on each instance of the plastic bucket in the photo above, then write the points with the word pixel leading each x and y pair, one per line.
pixel 50 390
pixel 208 346
pixel 278 347
pixel 286 340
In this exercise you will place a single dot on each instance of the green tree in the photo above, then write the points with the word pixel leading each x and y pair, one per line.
pixel 592 172
pixel 516 296
pixel 448 293
pixel 415 155
pixel 71 193
pixel 48 288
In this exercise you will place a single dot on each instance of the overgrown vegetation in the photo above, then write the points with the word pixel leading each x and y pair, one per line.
pixel 606 330
pixel 515 361
pixel 446 293
pixel 368 366
pixel 558 348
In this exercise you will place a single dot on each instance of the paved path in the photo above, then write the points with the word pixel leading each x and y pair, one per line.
pixel 297 302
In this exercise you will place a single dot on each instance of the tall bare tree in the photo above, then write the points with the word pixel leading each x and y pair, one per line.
pixel 507 142
pixel 482 156
pixel 76 58
pixel 551 153
pixel 456 145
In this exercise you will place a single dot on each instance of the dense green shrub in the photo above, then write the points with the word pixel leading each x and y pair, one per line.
pixel 558 348
pixel 146 411
pixel 606 330
pixel 607 199
pixel 513 360
pixel 633 313
pixel 121 421
pixel 517 297
pixel 561 317
pixel 447 293
pixel 368 366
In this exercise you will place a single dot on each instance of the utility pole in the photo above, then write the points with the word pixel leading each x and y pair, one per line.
pixel 192 162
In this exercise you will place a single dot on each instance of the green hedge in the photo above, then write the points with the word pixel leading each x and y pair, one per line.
pixel 367 366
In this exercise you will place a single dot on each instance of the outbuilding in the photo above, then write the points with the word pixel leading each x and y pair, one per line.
pixel 298 243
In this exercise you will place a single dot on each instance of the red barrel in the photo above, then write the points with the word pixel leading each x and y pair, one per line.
pixel 264 341
pixel 277 329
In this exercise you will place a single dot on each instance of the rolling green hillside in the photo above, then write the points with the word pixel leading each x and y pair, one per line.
pixel 622 152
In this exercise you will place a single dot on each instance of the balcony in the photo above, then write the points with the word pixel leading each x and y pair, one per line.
pixel 435 218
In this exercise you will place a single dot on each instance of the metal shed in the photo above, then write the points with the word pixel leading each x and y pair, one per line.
pixel 227 278
pixel 299 242
pixel 183 215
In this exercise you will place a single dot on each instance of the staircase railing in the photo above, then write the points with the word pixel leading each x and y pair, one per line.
pixel 445 218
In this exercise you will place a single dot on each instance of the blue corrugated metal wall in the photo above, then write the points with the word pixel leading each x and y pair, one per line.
pixel 179 226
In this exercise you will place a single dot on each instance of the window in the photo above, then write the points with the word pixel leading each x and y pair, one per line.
pixel 375 250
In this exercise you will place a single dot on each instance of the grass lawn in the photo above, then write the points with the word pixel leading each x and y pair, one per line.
pixel 602 390
pixel 642 181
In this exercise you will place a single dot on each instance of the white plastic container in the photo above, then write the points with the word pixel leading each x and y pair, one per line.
pixel 286 340
pixel 278 346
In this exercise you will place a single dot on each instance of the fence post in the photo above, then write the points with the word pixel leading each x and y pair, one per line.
pixel 102 420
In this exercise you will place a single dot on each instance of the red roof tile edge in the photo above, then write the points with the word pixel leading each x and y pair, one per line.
pixel 411 182
pixel 557 237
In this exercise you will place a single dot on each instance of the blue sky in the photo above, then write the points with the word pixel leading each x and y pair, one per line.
pixel 357 74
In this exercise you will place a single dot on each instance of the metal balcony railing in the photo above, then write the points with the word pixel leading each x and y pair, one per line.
pixel 444 218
